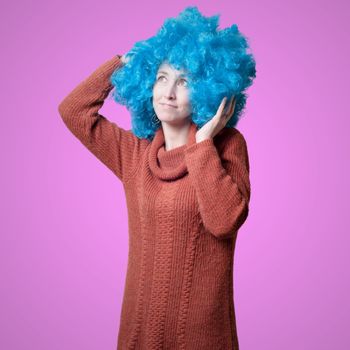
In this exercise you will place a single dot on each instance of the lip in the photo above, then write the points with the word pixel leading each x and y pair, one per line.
pixel 166 104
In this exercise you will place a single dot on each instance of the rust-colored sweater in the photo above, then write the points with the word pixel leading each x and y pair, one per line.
pixel 185 206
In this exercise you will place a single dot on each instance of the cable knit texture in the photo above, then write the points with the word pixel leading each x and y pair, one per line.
pixel 185 206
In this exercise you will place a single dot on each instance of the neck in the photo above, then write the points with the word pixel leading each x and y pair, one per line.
pixel 175 135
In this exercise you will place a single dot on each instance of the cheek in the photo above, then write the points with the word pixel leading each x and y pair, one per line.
pixel 187 103
pixel 186 97
pixel 156 93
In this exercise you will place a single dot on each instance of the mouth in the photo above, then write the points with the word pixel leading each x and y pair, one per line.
pixel 168 105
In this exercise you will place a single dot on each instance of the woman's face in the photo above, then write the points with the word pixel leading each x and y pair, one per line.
pixel 171 95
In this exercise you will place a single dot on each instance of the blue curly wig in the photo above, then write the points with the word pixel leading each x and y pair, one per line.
pixel 216 61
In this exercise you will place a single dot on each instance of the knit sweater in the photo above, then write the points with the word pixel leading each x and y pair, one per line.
pixel 185 206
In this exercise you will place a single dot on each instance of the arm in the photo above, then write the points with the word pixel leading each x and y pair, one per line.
pixel 222 185
pixel 117 148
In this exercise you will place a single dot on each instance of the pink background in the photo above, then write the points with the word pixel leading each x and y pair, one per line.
pixel 64 235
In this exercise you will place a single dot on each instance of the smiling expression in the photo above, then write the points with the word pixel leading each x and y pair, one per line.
pixel 171 95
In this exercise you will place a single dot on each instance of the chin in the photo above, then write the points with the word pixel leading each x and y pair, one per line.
pixel 175 121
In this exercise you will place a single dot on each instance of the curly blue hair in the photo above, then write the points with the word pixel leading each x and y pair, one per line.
pixel 217 62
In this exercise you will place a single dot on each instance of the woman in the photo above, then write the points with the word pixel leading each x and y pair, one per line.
pixel 185 171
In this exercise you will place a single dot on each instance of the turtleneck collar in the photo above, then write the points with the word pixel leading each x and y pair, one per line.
pixel 169 165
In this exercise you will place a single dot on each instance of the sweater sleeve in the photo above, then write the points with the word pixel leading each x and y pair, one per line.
pixel 221 182
pixel 115 147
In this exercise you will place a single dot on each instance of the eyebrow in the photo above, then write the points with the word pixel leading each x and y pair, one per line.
pixel 180 75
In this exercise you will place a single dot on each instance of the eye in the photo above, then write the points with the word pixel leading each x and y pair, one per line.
pixel 161 76
pixel 184 81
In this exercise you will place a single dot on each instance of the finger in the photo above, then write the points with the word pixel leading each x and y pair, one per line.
pixel 230 102
pixel 231 106
pixel 227 109
pixel 221 107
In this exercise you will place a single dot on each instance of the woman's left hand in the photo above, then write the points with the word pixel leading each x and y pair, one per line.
pixel 218 122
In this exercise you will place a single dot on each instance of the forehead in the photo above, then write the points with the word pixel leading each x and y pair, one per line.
pixel 166 68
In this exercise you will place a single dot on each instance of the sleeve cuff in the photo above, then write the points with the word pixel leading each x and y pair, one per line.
pixel 197 146
pixel 202 156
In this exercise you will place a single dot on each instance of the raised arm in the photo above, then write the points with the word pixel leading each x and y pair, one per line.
pixel 221 181
pixel 120 150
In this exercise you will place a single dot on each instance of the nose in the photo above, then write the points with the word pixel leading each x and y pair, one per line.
pixel 169 91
